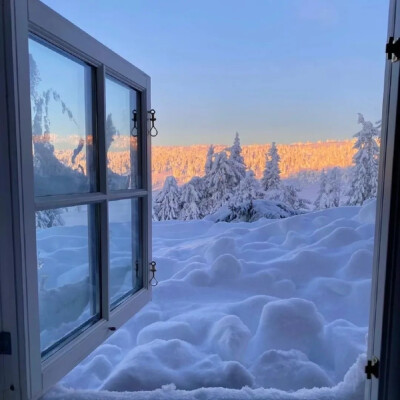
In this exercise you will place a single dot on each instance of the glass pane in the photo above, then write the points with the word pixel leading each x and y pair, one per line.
pixel 67 273
pixel 121 136
pixel 125 261
pixel 61 106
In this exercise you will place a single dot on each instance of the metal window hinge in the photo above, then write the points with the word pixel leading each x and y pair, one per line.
pixel 5 343
pixel 372 368
pixel 393 49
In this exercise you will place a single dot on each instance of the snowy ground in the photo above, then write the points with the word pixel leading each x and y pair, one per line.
pixel 266 310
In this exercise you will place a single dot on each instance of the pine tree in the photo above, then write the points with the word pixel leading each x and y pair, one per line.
pixel 289 195
pixel 321 201
pixel 271 176
pixel 190 200
pixel 334 187
pixel 167 202
pixel 241 205
pixel 248 189
pixel 49 218
pixel 237 160
pixel 209 160
pixel 111 131
pixel 365 170
pixel 329 191
pixel 220 181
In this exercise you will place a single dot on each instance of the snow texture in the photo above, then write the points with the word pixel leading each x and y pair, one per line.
pixel 245 311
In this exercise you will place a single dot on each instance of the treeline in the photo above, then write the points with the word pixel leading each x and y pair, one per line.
pixel 185 162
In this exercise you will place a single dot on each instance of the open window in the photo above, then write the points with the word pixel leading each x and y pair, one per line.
pixel 79 151
pixel 75 162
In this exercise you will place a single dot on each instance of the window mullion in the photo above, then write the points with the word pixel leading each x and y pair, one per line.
pixel 146 222
pixel 102 180
pixel 104 261
pixel 101 128
pixel 68 200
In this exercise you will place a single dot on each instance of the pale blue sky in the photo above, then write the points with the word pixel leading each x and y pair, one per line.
pixel 273 70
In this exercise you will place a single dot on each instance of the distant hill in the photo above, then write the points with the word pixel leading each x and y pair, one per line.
pixel 184 162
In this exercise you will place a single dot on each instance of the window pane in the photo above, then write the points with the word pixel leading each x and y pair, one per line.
pixel 67 273
pixel 125 261
pixel 62 137
pixel 121 136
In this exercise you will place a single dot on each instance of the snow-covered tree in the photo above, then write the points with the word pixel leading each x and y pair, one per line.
pixel 329 190
pixel 49 218
pixel 220 181
pixel 241 204
pixel 209 160
pixel 334 187
pixel 116 181
pixel 248 189
pixel 236 159
pixel 167 202
pixel 111 131
pixel 289 195
pixel 365 170
pixel 190 201
pixel 271 177
pixel 322 200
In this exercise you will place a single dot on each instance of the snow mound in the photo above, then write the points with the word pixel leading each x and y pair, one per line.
pixel 261 209
pixel 225 268
pixel 288 370
pixel 288 324
pixel 258 309
pixel 174 361
pixel 230 337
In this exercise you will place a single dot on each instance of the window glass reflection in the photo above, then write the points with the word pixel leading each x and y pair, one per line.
pixel 121 136
pixel 67 273
pixel 124 249
pixel 61 109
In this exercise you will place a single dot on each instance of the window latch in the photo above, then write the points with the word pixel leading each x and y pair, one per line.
pixel 372 368
pixel 153 281
pixel 134 132
pixel 393 49
pixel 153 130
pixel 5 343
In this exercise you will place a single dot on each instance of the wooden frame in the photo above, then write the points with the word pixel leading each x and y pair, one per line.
pixel 30 376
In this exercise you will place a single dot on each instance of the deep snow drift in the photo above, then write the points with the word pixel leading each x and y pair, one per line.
pixel 276 307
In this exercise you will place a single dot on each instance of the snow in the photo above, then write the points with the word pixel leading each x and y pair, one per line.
pixel 245 311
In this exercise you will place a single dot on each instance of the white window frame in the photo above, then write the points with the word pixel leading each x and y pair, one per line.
pixel 30 376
